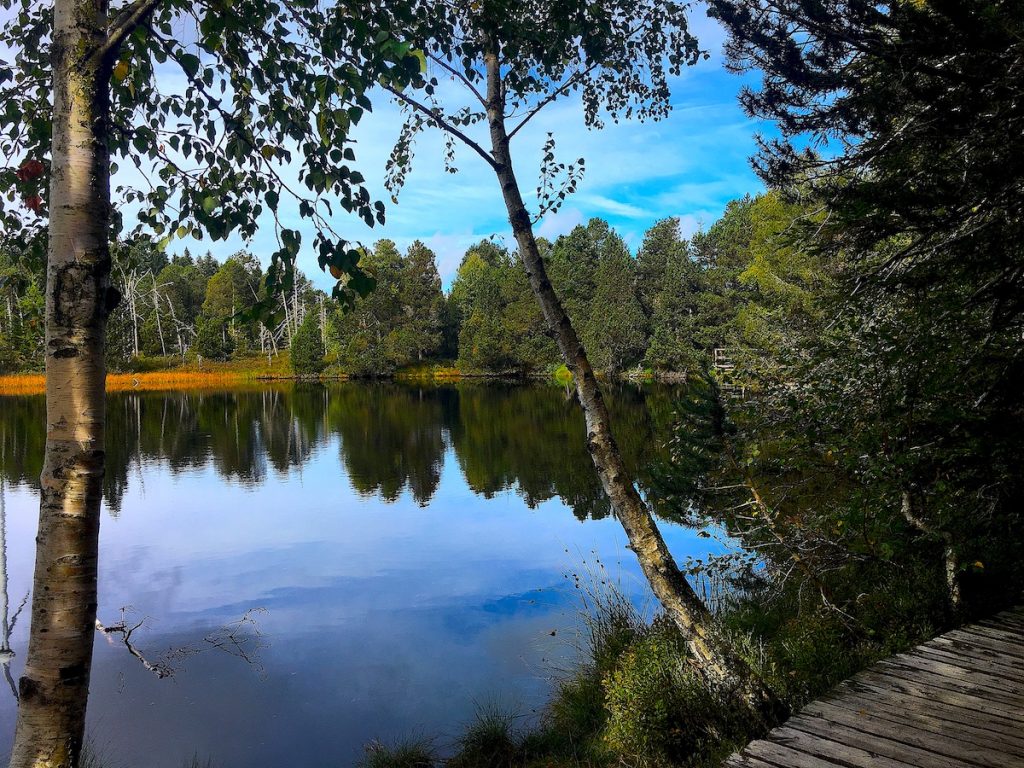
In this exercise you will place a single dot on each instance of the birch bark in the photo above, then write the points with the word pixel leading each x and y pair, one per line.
pixel 55 685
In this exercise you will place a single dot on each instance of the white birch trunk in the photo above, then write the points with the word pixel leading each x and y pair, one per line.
pixel 55 685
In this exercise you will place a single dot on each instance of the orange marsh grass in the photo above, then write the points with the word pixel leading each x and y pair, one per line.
pixel 35 384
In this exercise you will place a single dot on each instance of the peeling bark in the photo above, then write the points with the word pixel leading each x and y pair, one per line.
pixel 712 656
pixel 55 685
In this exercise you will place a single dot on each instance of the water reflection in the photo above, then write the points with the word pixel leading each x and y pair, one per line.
pixel 393 437
pixel 7 620
pixel 408 543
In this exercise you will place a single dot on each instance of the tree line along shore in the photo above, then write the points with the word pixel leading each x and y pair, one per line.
pixel 659 312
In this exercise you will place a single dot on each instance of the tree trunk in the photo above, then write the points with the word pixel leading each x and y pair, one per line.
pixel 713 658
pixel 951 563
pixel 159 327
pixel 55 685
pixel 131 284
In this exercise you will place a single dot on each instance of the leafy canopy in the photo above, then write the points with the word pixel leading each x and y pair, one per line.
pixel 268 94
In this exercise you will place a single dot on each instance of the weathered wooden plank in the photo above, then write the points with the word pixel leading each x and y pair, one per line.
pixel 1003 646
pixel 829 748
pixel 973 663
pixel 909 741
pixel 1011 636
pixel 960 648
pixel 949 673
pixel 1006 617
pixel 1005 704
pixel 746 761
pixel 956 701
pixel 786 757
pixel 806 750
pixel 833 729
pixel 974 726
pixel 1014 625
pixel 891 704
pixel 925 687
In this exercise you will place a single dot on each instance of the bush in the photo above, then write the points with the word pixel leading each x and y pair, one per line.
pixel 659 712
pixel 490 741
pixel 307 351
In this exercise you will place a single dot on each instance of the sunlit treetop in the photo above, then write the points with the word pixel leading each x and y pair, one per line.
pixel 225 107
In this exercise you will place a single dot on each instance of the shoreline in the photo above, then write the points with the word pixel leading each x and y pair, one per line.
pixel 182 379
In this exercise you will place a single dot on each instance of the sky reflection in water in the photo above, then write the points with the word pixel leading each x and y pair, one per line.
pixel 408 545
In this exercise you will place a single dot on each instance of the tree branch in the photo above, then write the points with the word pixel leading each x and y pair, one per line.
pixel 441 123
pixel 126 22
pixel 455 73
pixel 550 98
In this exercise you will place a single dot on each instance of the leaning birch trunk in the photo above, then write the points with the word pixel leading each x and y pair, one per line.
pixel 55 684
pixel 713 657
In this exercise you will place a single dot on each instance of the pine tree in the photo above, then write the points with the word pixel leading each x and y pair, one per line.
pixel 615 327
pixel 307 350
pixel 422 302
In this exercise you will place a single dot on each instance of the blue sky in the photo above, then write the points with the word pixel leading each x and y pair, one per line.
pixel 688 166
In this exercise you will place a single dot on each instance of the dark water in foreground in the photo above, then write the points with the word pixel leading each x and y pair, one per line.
pixel 323 566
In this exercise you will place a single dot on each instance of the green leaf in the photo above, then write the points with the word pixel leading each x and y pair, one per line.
pixel 189 63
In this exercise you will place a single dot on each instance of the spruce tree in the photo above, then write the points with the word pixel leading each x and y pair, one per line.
pixel 307 350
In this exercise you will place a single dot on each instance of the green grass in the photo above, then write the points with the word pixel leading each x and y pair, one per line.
pixel 412 753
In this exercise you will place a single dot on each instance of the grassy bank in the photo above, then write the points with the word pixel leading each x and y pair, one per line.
pixel 152 374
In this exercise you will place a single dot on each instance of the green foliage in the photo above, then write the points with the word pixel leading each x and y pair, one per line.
pixel 500 326
pixel 22 278
pixel 617 327
pixel 659 714
pixel 212 339
pixel 412 753
pixel 307 349
pixel 222 146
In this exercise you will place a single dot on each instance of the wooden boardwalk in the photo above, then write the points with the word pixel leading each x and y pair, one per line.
pixel 954 702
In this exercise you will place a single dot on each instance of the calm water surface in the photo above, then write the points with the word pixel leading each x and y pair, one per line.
pixel 321 566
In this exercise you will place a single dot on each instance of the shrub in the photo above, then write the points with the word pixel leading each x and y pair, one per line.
pixel 659 713
pixel 490 741
pixel 415 753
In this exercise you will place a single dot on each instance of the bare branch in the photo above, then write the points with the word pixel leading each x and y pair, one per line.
pixel 559 91
pixel 455 73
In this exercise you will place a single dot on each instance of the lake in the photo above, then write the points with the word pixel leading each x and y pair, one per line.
pixel 320 566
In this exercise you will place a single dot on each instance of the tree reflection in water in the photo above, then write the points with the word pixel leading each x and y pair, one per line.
pixel 393 437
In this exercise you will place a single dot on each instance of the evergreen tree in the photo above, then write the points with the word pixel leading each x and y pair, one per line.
pixel 616 326
pixel 422 302
pixel 233 288
pixel 307 349
pixel 675 342
pixel 212 339
pixel 368 336
pixel 662 243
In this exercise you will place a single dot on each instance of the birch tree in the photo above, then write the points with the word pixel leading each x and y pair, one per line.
pixel 511 60
pixel 265 93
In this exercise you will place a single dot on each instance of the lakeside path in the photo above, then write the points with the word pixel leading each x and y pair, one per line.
pixel 954 702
